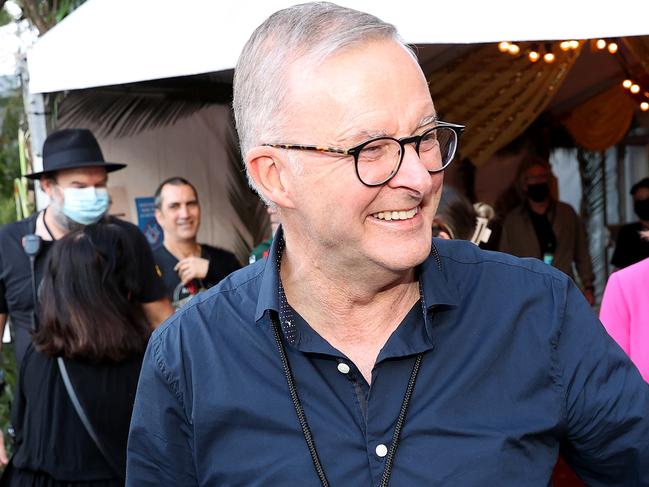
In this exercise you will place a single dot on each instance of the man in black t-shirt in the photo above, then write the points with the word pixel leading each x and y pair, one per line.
pixel 186 266
pixel 74 176
pixel 630 247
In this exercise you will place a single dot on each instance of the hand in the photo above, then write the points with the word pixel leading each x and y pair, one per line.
pixel 589 294
pixel 3 451
pixel 192 268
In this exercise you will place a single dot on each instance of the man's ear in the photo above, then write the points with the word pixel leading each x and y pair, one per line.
pixel 270 173
pixel 158 216
pixel 47 185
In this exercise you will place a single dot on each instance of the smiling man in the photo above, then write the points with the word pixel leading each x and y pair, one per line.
pixel 358 354
pixel 187 267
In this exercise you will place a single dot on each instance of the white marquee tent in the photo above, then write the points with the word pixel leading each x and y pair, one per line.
pixel 115 42
pixel 109 42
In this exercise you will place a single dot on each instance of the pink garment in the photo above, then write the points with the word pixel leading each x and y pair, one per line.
pixel 625 312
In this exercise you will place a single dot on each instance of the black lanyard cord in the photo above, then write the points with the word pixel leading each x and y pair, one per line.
pixel 389 459
pixel 306 431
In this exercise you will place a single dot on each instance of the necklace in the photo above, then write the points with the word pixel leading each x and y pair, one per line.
pixel 46 226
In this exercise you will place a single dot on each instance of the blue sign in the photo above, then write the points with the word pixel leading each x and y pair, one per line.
pixel 146 221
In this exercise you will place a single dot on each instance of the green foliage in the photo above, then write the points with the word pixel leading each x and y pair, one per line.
pixel 45 14
pixel 5 18
pixel 10 117
pixel 8 365
pixel 65 7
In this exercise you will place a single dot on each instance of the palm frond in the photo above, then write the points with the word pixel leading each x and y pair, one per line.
pixel 129 109
pixel 250 209
pixel 124 114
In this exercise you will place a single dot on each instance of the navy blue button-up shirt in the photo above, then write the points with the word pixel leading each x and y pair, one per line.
pixel 514 365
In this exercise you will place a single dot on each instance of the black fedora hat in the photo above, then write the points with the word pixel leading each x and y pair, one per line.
pixel 72 149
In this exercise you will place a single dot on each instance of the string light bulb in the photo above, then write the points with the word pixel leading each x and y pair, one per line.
pixel 627 83
pixel 573 44
pixel 600 44
pixel 644 106
pixel 533 56
pixel 635 89
pixel 565 45
pixel 514 49
pixel 503 46
pixel 548 57
pixel 612 47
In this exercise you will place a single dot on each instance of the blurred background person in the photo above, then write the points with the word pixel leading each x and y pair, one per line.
pixel 457 218
pixel 546 228
pixel 625 311
pixel 75 178
pixel 90 318
pixel 261 250
pixel 187 267
pixel 630 247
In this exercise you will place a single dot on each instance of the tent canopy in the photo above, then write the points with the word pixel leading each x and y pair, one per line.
pixel 111 42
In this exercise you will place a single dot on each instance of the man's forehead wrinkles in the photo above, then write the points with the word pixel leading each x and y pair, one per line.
pixel 354 134
pixel 428 119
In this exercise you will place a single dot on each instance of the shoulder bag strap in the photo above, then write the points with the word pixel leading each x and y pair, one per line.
pixel 83 417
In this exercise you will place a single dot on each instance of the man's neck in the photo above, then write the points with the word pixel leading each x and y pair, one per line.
pixel 355 310
pixel 47 228
pixel 182 249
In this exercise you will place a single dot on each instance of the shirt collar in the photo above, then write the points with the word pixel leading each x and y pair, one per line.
pixel 269 289
pixel 437 289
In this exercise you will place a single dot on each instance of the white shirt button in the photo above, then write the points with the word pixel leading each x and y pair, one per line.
pixel 343 368
pixel 381 450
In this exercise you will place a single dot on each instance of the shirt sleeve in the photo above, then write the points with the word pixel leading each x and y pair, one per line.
pixel 220 266
pixel 606 402
pixel 151 284
pixel 614 312
pixel 160 439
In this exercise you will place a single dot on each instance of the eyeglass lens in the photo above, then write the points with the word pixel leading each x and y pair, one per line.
pixel 378 160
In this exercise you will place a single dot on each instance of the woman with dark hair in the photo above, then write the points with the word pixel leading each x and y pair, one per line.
pixel 458 219
pixel 90 322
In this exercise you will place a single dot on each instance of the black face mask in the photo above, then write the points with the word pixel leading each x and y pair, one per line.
pixel 641 208
pixel 538 192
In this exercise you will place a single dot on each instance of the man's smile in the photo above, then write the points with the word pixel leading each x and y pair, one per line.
pixel 396 214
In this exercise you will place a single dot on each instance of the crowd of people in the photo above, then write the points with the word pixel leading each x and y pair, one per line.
pixel 370 340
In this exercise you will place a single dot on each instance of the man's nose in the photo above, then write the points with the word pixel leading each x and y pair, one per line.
pixel 184 211
pixel 412 172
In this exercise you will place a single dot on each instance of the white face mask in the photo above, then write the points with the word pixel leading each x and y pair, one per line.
pixel 85 205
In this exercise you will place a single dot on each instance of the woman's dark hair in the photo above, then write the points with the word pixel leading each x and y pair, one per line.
pixel 455 215
pixel 87 297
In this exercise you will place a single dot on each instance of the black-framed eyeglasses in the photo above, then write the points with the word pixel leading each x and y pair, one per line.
pixel 378 160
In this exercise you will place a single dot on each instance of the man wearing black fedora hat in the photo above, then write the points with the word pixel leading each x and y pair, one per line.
pixel 74 176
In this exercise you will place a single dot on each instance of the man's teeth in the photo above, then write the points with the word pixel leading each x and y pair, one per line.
pixel 395 215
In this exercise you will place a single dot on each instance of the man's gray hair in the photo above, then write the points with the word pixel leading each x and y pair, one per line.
pixel 311 31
